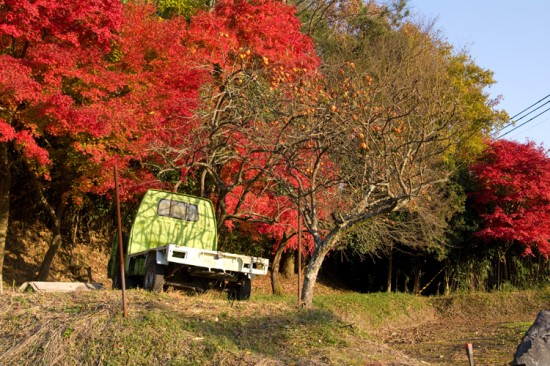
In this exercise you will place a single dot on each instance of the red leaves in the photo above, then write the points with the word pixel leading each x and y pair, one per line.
pixel 513 195
pixel 73 22
pixel 101 86
pixel 267 29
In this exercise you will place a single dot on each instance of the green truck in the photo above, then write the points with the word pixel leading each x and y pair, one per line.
pixel 173 242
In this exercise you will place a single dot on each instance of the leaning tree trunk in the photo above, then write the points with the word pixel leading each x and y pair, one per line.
pixel 55 244
pixel 310 277
pixel 56 216
pixel 275 282
pixel 5 183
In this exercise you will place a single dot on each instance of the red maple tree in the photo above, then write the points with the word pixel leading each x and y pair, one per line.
pixel 513 195
pixel 53 82
pixel 243 46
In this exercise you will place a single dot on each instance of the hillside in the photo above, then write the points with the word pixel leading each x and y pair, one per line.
pixel 174 328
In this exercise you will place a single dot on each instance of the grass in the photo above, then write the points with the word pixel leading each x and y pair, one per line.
pixel 87 328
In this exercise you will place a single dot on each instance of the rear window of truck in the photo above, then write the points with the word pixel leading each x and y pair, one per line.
pixel 178 210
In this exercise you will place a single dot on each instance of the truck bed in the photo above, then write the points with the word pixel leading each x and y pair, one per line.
pixel 213 261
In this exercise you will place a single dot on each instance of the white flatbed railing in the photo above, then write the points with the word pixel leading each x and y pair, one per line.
pixel 211 260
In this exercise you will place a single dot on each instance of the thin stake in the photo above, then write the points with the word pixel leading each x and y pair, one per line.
pixel 470 353
pixel 120 250
pixel 299 248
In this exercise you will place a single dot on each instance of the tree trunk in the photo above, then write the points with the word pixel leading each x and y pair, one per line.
pixel 56 216
pixel 417 273
pixel 275 282
pixel 390 270
pixel 5 183
pixel 288 264
pixel 447 290
pixel 498 273
pixel 310 277
pixel 505 267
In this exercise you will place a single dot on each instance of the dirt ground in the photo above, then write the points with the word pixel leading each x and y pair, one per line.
pixel 442 341
pixel 494 342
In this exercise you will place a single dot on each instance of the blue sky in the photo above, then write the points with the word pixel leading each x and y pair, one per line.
pixel 511 38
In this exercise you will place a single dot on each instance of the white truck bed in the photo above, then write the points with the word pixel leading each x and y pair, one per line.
pixel 211 260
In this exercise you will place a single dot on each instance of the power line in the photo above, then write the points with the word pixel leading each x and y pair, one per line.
pixel 534 104
pixel 533 126
pixel 512 121
pixel 524 123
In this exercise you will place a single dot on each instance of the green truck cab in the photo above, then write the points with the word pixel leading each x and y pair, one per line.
pixel 173 242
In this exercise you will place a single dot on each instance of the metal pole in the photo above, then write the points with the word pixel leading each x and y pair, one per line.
pixel 299 247
pixel 120 250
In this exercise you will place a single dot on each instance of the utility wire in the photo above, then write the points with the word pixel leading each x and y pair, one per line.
pixel 524 123
pixel 531 112
pixel 532 126
pixel 512 121
pixel 534 104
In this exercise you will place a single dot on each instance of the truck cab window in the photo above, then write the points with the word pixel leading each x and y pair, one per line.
pixel 178 210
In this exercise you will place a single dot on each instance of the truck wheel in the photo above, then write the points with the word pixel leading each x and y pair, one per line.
pixel 242 291
pixel 154 275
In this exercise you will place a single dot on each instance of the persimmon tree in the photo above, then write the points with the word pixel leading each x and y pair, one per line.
pixel 243 45
pixel 513 196
pixel 386 117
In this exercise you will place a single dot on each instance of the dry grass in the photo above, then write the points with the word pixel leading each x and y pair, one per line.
pixel 87 328
pixel 173 328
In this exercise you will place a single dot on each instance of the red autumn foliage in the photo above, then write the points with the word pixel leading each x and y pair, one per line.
pixel 513 195
pixel 86 86
pixel 54 80
pixel 255 40
pixel 267 29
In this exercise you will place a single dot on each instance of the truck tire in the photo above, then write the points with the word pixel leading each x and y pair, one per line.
pixel 154 274
pixel 242 291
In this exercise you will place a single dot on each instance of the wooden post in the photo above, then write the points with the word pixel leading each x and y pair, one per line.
pixel 120 249
pixel 470 352
pixel 299 247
